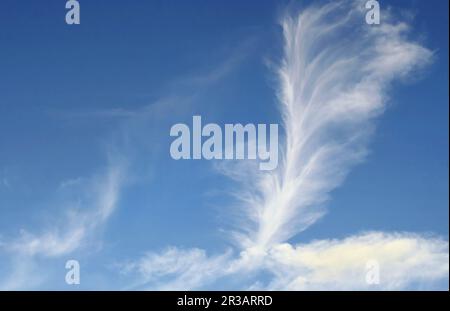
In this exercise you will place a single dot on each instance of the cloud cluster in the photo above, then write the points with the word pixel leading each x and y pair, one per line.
pixel 334 78
pixel 402 260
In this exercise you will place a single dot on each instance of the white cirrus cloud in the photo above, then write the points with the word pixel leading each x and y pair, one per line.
pixel 177 269
pixel 334 78
pixel 100 198
pixel 334 81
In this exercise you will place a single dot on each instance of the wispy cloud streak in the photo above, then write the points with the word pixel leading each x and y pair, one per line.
pixel 70 232
pixel 101 195
pixel 177 269
pixel 333 82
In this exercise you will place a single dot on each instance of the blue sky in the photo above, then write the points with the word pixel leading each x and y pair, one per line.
pixel 79 101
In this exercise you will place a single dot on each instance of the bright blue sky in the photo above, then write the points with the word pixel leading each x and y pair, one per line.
pixel 70 96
